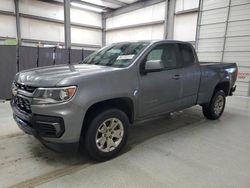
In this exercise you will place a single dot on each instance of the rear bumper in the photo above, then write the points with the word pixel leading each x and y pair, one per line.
pixel 232 90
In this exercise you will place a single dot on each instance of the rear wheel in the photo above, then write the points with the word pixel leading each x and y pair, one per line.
pixel 216 106
pixel 107 134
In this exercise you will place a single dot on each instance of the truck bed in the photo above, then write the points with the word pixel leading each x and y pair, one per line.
pixel 231 68
pixel 218 64
pixel 212 73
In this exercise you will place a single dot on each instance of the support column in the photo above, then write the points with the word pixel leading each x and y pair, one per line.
pixel 170 19
pixel 103 30
pixel 67 26
pixel 18 31
pixel 225 34
pixel 166 21
pixel 198 25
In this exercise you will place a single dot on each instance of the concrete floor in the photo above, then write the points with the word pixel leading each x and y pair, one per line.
pixel 181 150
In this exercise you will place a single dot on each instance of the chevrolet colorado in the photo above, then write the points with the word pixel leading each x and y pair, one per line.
pixel 92 104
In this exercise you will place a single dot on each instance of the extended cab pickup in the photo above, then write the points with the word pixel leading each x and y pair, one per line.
pixel 91 104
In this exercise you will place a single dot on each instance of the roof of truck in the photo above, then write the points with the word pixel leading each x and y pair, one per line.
pixel 151 41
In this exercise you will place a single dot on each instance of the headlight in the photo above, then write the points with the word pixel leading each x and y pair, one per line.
pixel 53 95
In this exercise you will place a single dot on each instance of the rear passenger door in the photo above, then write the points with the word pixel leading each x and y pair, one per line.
pixel 190 71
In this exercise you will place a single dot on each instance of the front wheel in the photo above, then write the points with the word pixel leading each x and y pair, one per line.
pixel 216 106
pixel 107 134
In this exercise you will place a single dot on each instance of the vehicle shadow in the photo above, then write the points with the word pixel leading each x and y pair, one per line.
pixel 138 133
pixel 68 163
pixel 149 129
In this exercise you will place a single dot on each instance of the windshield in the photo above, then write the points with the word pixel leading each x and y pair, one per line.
pixel 116 55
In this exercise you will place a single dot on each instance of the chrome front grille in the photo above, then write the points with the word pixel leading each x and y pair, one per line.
pixel 22 104
pixel 23 87
pixel 22 95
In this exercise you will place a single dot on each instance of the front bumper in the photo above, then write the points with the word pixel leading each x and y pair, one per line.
pixel 49 129
pixel 58 147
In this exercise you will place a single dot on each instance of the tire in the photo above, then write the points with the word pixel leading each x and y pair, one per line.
pixel 102 142
pixel 216 106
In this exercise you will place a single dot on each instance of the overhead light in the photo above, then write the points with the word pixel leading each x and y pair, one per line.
pixel 87 7
pixel 105 3
pixel 97 2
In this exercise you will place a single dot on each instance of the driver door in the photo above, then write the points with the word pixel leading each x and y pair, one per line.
pixel 160 90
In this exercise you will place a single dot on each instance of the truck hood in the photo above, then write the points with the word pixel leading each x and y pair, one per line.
pixel 50 76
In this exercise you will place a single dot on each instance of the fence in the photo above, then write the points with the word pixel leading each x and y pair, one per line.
pixel 17 58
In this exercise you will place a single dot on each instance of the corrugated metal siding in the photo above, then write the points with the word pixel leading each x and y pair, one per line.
pixel 212 31
pixel 241 12
pixel 213 4
pixel 239 2
pixel 242 88
pixel 214 16
pixel 211 45
pixel 242 58
pixel 210 56
pixel 224 33
pixel 237 44
pixel 239 28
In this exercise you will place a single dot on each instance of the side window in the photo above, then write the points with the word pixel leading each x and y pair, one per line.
pixel 169 56
pixel 155 54
pixel 187 56
pixel 166 53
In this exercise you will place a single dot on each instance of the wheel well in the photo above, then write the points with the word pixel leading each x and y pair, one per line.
pixel 223 86
pixel 123 104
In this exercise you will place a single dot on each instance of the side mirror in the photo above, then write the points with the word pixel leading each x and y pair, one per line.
pixel 153 66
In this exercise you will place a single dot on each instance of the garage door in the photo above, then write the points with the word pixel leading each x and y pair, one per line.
pixel 224 35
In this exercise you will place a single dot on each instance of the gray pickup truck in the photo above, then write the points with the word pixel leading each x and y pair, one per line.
pixel 92 104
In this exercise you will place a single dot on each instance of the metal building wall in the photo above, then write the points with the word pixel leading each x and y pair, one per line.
pixel 146 23
pixel 8 69
pixel 43 22
pixel 18 58
pixel 223 34
pixel 185 21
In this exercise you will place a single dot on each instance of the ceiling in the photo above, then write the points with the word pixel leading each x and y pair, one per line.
pixel 113 4
pixel 106 5
pixel 98 5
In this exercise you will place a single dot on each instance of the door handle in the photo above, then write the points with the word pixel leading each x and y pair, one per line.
pixel 176 77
